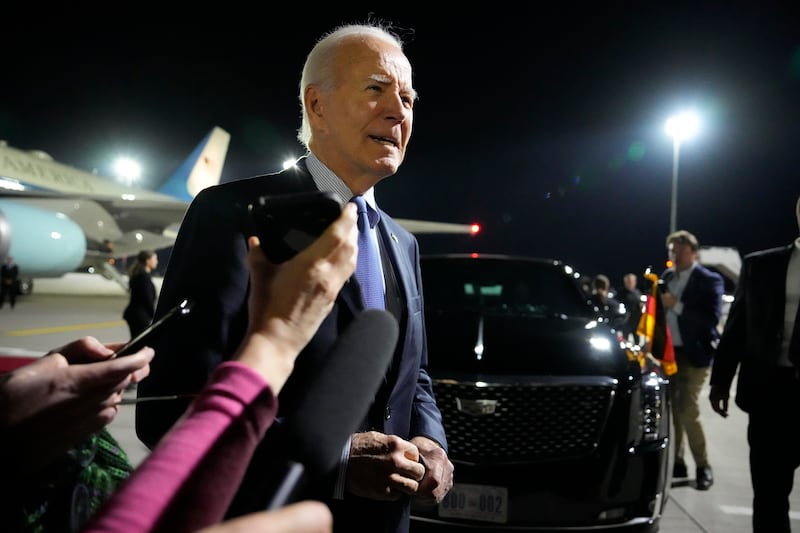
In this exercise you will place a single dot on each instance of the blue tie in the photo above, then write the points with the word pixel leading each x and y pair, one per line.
pixel 368 267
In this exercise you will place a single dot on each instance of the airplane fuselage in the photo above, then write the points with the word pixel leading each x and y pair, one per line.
pixel 55 218
pixel 37 171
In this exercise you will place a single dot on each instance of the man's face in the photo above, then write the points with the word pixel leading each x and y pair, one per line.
pixel 361 128
pixel 682 254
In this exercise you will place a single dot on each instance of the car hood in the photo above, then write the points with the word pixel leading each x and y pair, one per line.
pixel 462 342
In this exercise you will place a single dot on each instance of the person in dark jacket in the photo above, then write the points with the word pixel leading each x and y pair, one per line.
pixel 142 302
pixel 761 340
pixel 631 297
pixel 602 301
pixel 692 298
pixel 9 282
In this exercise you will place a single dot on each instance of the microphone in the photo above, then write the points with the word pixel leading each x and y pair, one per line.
pixel 664 281
pixel 337 400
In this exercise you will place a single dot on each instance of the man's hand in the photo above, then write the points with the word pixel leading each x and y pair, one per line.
pixel 668 300
pixel 438 479
pixel 719 400
pixel 383 467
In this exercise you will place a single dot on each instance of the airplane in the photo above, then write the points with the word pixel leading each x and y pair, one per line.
pixel 56 218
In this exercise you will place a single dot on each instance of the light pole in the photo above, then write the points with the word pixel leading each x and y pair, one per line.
pixel 679 127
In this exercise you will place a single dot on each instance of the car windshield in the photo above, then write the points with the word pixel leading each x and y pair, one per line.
pixel 501 287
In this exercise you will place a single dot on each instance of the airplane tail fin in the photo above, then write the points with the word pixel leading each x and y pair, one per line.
pixel 201 169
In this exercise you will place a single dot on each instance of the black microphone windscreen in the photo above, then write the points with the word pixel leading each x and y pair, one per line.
pixel 338 400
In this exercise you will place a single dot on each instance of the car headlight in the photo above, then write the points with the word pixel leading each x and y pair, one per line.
pixel 653 405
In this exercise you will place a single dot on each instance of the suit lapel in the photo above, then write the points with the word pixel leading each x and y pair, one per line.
pixel 776 307
pixel 393 242
pixel 298 179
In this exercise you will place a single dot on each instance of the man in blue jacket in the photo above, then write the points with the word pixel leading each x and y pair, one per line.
pixel 692 298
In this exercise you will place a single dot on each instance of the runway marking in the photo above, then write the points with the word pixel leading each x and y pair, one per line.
pixel 736 510
pixel 61 329
pixel 748 511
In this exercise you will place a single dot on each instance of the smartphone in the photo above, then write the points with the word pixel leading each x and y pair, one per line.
pixel 182 309
pixel 287 223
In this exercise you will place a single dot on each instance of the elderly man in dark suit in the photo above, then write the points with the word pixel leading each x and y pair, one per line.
pixel 762 340
pixel 357 103
pixel 692 297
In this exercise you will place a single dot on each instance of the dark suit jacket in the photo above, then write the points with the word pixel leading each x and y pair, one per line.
pixel 141 303
pixel 632 298
pixel 208 264
pixel 754 329
pixel 702 311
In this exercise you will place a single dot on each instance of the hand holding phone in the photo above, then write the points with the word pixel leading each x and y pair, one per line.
pixel 182 309
pixel 287 223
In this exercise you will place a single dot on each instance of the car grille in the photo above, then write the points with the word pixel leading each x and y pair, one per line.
pixel 507 423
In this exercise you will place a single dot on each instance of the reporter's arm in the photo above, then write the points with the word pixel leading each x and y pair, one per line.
pixel 191 476
pixel 288 302
pixel 50 397
pixel 302 517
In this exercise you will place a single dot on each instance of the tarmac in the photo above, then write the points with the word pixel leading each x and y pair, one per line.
pixel 65 309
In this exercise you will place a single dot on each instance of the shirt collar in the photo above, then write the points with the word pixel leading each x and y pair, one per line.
pixel 326 180
pixel 686 272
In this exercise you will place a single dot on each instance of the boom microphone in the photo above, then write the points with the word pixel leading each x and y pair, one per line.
pixel 337 400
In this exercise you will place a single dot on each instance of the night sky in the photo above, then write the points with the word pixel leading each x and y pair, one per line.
pixel 547 128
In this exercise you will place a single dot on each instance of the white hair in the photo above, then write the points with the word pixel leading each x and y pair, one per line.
pixel 318 68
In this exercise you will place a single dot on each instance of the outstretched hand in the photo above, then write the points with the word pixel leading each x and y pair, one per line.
pixel 62 394
pixel 302 517
pixel 288 302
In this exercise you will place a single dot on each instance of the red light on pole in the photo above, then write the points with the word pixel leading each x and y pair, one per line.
pixel 474 229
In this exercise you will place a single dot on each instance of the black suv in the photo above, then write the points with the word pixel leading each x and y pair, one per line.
pixel 551 420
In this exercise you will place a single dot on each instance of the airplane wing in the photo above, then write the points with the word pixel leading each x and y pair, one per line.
pixel 56 219
pixel 429 226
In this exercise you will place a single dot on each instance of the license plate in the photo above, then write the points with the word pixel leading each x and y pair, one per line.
pixel 476 502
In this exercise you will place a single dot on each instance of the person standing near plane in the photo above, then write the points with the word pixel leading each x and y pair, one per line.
pixel 142 302
pixel 357 104
pixel 9 282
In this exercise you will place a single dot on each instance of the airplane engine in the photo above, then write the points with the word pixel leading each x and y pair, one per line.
pixel 43 243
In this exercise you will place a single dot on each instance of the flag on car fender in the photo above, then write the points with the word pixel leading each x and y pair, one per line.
pixel 653 327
